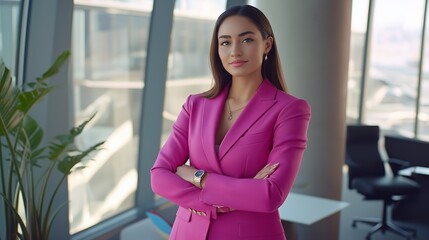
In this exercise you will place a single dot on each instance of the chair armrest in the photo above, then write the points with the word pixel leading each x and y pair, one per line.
pixel 397 164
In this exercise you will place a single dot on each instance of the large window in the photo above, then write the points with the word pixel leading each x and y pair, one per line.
pixel 393 70
pixel 109 56
pixel 393 57
pixel 423 123
pixel 9 26
pixel 356 63
pixel 188 62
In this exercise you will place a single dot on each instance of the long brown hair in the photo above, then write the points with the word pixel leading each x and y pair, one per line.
pixel 271 68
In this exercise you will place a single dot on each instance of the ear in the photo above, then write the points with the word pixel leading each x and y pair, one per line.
pixel 268 44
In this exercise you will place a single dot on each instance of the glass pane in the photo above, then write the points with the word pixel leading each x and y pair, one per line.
pixel 188 63
pixel 423 124
pixel 357 45
pixel 109 55
pixel 9 20
pixel 391 88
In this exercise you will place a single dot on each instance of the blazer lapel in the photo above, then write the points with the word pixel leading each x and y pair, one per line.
pixel 211 116
pixel 262 101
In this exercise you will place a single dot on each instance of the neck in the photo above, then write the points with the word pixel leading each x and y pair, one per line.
pixel 242 90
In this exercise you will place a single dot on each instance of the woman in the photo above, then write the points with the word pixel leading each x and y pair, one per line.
pixel 244 139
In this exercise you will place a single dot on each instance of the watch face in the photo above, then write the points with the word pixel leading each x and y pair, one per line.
pixel 199 173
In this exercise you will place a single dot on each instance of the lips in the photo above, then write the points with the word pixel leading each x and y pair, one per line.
pixel 237 63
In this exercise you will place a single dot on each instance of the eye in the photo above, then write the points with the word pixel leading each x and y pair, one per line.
pixel 224 43
pixel 247 40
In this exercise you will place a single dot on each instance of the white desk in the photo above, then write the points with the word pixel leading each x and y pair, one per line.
pixel 414 170
pixel 414 208
pixel 305 209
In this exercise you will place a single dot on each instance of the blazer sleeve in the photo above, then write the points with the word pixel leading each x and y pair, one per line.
pixel 266 195
pixel 175 153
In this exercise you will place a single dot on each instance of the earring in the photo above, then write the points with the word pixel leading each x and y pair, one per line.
pixel 266 57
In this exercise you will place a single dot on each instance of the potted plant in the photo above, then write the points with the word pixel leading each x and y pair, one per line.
pixel 28 206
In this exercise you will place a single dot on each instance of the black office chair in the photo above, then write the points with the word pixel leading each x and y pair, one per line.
pixel 368 177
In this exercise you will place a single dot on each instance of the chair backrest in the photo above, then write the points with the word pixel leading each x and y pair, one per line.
pixel 362 152
pixel 414 151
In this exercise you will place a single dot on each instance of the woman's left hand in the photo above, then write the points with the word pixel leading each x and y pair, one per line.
pixel 186 172
pixel 265 172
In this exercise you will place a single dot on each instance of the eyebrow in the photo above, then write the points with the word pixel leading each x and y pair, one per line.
pixel 240 35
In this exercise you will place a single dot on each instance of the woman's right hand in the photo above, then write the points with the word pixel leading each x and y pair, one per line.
pixel 262 174
pixel 266 171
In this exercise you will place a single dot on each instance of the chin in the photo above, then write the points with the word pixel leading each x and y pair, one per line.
pixel 242 74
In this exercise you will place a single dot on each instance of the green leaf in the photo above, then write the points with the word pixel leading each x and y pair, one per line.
pixel 65 142
pixel 29 137
pixel 10 114
pixel 33 131
pixel 59 146
pixel 66 165
pixel 55 67
pixel 78 130
pixel 31 97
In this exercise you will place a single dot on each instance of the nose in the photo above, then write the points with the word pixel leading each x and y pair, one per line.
pixel 236 49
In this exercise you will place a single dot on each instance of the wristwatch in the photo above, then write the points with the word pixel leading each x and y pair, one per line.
pixel 198 176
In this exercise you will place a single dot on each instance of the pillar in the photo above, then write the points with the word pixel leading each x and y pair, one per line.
pixel 313 40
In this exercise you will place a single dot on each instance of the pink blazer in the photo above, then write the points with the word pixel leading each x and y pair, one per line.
pixel 271 129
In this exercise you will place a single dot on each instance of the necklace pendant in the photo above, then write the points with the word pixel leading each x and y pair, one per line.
pixel 230 116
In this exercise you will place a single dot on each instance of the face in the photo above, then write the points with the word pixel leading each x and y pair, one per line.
pixel 241 47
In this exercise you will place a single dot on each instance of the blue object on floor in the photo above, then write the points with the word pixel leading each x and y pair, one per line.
pixel 162 225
